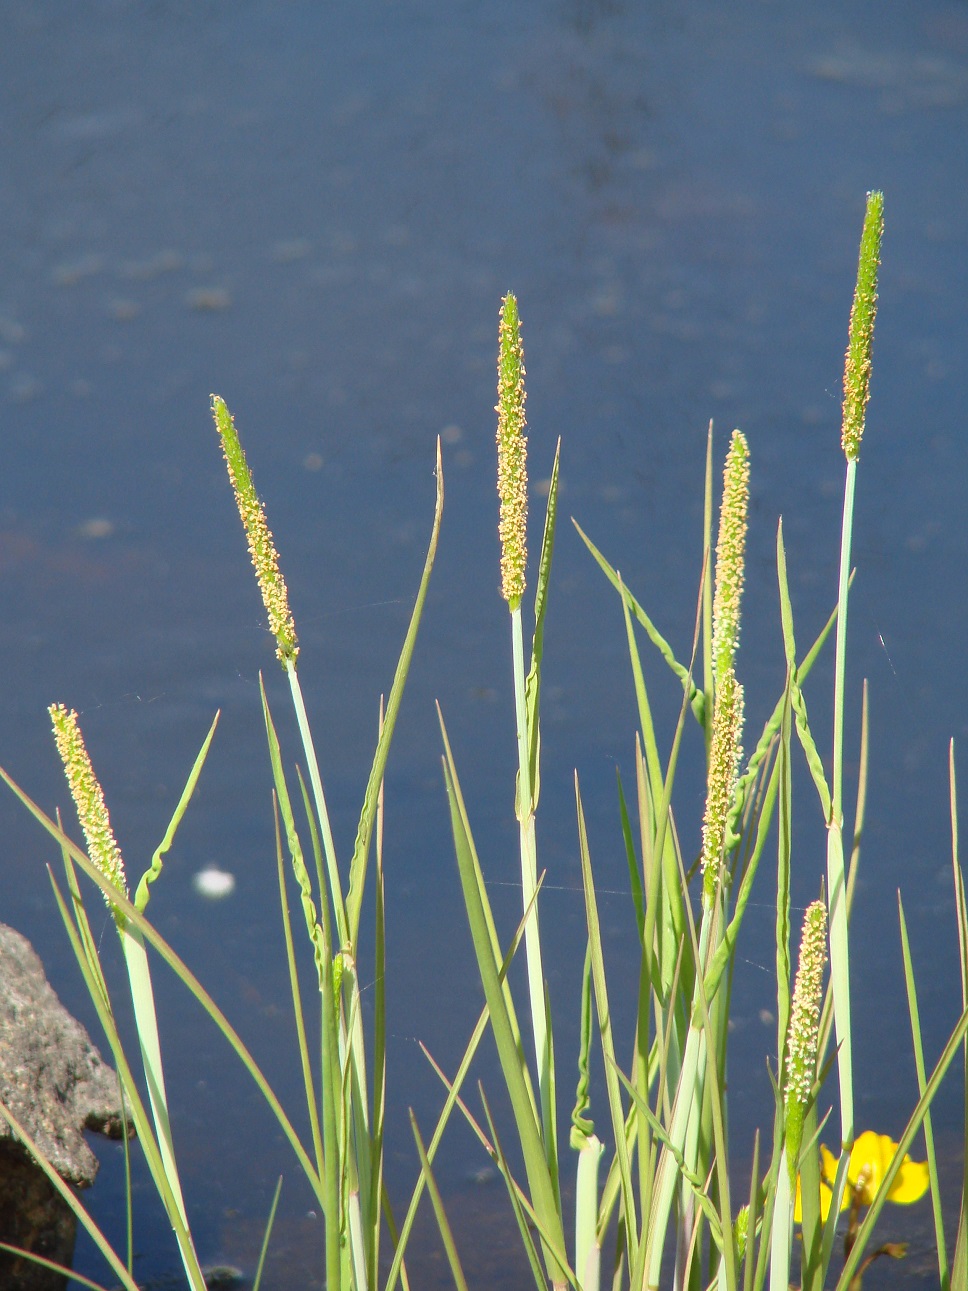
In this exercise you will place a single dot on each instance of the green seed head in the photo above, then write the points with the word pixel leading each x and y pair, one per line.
pixel 804 1030
pixel 265 558
pixel 512 454
pixel 731 555
pixel 92 812
pixel 725 754
pixel 860 344
pixel 741 1231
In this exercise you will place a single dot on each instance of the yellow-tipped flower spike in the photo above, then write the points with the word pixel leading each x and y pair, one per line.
pixel 265 558
pixel 731 555
pixel 860 344
pixel 512 454
pixel 725 753
pixel 804 1030
pixel 92 812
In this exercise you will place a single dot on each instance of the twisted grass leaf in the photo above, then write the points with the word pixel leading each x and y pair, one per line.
pixel 142 894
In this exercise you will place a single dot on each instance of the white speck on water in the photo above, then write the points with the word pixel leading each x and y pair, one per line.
pixel 208 300
pixel 213 883
pixel 95 528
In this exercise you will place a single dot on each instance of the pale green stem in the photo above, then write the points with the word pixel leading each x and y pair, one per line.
pixel 667 1174
pixel 837 786
pixel 143 1000
pixel 329 847
pixel 836 880
pixel 357 1242
pixel 529 880
pixel 709 936
pixel 588 1251
pixel 687 1107
pixel 782 1234
pixel 357 1163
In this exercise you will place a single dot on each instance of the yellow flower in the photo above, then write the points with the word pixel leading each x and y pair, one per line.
pixel 870 1159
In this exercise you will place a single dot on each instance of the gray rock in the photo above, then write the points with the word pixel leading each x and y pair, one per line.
pixel 55 1083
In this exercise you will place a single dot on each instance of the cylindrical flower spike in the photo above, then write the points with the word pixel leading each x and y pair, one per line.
pixel 512 454
pixel 92 812
pixel 804 1030
pixel 265 558
pixel 857 365
pixel 725 753
pixel 731 555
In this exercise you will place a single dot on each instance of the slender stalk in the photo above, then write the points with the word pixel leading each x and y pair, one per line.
pixel 319 798
pixel 781 1242
pixel 105 855
pixel 146 1022
pixel 529 880
pixel 857 370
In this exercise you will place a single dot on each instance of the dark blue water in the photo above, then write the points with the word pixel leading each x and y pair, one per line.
pixel 315 213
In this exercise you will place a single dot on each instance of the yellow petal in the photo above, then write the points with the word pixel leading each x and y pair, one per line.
pixel 871 1158
pixel 911 1183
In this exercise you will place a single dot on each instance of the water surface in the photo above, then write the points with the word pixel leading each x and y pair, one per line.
pixel 315 213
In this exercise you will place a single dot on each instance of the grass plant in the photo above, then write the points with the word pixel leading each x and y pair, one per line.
pixel 656 1197
pixel 667 1199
